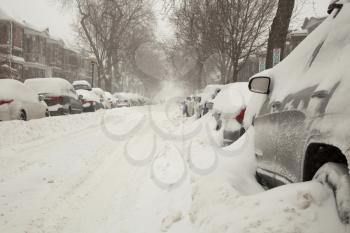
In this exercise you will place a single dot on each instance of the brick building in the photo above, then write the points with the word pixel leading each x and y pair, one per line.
pixel 28 52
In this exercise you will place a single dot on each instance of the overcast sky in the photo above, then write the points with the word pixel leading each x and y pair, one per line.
pixel 45 13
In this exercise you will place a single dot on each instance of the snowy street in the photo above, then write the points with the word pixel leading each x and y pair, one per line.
pixel 114 171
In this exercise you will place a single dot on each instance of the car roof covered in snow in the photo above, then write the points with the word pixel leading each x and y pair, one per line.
pixel 57 86
pixel 13 89
pixel 81 82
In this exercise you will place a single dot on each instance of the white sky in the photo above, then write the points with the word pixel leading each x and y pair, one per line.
pixel 45 13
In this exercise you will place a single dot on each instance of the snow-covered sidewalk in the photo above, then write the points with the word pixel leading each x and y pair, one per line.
pixel 137 170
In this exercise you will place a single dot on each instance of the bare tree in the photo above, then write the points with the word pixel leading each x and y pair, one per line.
pixel 279 30
pixel 233 29
pixel 105 26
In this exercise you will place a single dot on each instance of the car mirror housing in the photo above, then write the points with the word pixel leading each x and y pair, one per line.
pixel 260 85
pixel 80 97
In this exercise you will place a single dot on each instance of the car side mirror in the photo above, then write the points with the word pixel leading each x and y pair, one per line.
pixel 80 97
pixel 41 98
pixel 260 85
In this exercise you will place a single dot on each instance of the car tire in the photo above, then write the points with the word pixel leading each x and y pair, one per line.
pixel 70 110
pixel 337 177
pixel 22 115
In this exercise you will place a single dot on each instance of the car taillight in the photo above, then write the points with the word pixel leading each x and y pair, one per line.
pixel 240 116
pixel 5 102
pixel 56 98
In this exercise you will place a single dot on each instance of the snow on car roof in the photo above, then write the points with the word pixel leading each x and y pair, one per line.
pixel 13 89
pixel 49 85
pixel 232 98
pixel 81 82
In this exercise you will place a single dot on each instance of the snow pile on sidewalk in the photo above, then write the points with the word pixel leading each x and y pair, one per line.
pixel 15 133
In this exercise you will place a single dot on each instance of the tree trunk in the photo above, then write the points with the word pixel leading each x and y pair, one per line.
pixel 235 71
pixel 279 30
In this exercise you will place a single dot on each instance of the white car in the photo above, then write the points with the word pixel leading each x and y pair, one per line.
pixel 103 99
pixel 89 100
pixel 18 102
pixel 111 99
pixel 58 94
pixel 229 108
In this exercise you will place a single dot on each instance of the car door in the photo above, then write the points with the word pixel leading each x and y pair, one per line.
pixel 291 126
pixel 266 142
pixel 75 102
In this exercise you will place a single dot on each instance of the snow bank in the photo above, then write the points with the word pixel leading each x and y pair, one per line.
pixel 14 134
pixel 60 188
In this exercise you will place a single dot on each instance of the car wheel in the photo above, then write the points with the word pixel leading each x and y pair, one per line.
pixel 22 115
pixel 337 177
pixel 70 110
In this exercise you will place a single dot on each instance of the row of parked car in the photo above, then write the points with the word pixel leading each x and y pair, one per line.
pixel 42 97
pixel 226 103
pixel 301 112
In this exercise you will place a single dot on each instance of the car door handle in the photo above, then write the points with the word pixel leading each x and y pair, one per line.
pixel 320 94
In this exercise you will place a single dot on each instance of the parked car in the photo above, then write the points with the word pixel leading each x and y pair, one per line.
pixel 229 108
pixel 302 125
pixel 18 102
pixel 111 99
pixel 206 99
pixel 58 93
pixel 82 85
pixel 102 96
pixel 90 101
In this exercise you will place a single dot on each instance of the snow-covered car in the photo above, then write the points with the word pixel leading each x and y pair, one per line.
pixel 228 109
pixel 122 103
pixel 111 99
pixel 302 125
pixel 82 85
pixel 102 96
pixel 206 98
pixel 58 94
pixel 89 100
pixel 19 102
